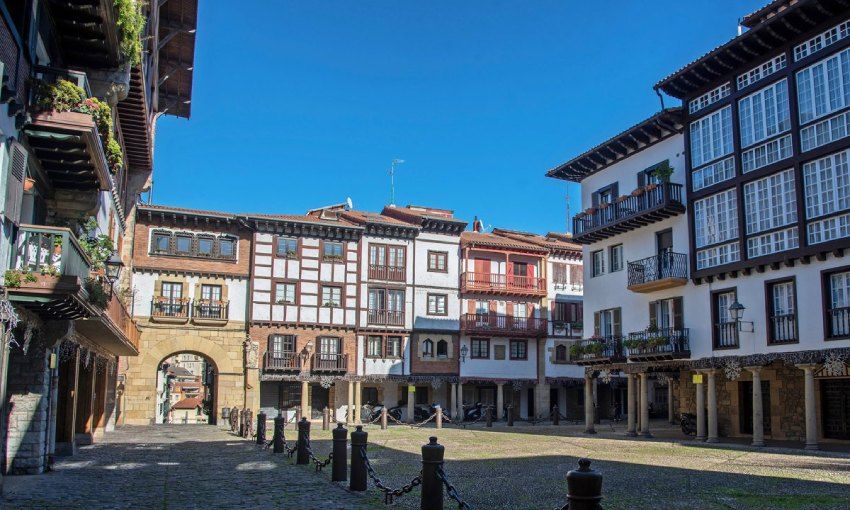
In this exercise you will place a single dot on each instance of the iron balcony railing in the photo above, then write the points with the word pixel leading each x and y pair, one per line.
pixel 600 348
pixel 492 323
pixel 667 342
pixel 282 361
pixel 839 322
pixel 170 307
pixel 570 329
pixel 388 273
pixel 330 362
pixel 502 282
pixel 50 250
pixel 726 335
pixel 385 317
pixel 783 328
pixel 658 267
pixel 210 309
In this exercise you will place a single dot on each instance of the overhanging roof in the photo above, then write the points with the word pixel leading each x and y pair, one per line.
pixel 178 22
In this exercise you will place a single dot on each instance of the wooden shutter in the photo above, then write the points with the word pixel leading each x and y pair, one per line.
pixel 15 182
pixel 594 198
pixel 615 320
pixel 470 306
pixel 653 317
pixel 641 179
pixel 596 330
pixel 615 190
pixel 678 314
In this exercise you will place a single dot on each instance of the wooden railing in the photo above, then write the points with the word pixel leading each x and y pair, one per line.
pixel 51 250
pixel 496 323
pixel 174 308
pixel 282 361
pixel 119 316
pixel 471 281
pixel 210 309
pixel 839 322
pixel 726 335
pixel 385 317
pixel 657 267
pixel 630 207
pixel 659 342
pixel 330 362
pixel 389 273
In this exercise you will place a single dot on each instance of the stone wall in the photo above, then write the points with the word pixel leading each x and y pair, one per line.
pixel 28 408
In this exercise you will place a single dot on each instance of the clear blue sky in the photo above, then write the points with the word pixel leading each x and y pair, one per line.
pixel 302 104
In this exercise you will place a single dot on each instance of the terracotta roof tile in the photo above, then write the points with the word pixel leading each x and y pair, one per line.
pixel 188 403
pixel 495 241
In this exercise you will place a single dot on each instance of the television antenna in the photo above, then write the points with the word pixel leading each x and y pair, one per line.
pixel 392 180
pixel 349 203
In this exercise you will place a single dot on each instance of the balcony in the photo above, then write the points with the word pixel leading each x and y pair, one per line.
pixel 330 362
pixel 492 324
pixel 659 272
pixel 493 283
pixel 567 329
pixel 209 311
pixel 658 344
pixel 281 362
pixel 385 317
pixel 726 335
pixel 170 309
pixel 645 206
pixel 87 32
pixel 598 351
pixel 114 328
pixel 838 322
pixel 388 273
pixel 782 329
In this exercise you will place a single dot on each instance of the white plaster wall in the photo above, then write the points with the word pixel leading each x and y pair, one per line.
pixel 433 282
pixel 144 284
pixel 500 369
pixel 559 369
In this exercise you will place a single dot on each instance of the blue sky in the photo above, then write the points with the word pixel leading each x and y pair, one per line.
pixel 302 104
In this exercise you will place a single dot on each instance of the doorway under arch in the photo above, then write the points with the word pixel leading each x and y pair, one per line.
pixel 186 389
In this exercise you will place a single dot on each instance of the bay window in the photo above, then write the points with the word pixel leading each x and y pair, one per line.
pixel 764 113
pixel 824 87
pixel 771 203
pixel 711 137
pixel 716 221
pixel 827 191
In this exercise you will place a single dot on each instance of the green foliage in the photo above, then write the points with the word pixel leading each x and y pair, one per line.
pixel 13 278
pixel 131 23
pixel 663 172
pixel 98 247
pixel 49 270
pixel 62 96
pixel 576 350
pixel 97 294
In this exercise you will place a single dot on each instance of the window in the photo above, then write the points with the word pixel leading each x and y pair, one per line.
pixel 519 349
pixel 766 154
pixel 559 273
pixel 824 87
pixel 715 221
pixel 825 131
pixel 560 353
pixel 667 314
pixel 718 255
pixel 428 348
pixel 170 302
pixel 329 347
pixel 482 307
pixel 822 40
pixel 764 114
pixel 709 98
pixel 616 257
pixel 770 202
pixel 762 71
pixel 332 296
pixel 709 175
pixel 781 319
pixel 226 247
pixel 480 348
pixel 521 310
pixel 386 306
pixel 725 328
pixel 438 261
pixel 437 304
pixel 205 246
pixel 284 294
pixel 281 345
pixel 827 185
pixel 161 243
pixel 442 349
pixel 172 291
pixel 597 263
pixel 607 323
pixel 211 292
pixel 184 244
pixel 332 251
pixel 576 276
pixel 374 346
pixel 287 247
pixel 369 395
pixel 711 137
pixel 394 347
pixel 837 297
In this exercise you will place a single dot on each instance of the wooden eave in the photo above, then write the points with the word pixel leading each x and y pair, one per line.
pixel 87 32
pixel 178 21
pixel 134 124
pixel 664 211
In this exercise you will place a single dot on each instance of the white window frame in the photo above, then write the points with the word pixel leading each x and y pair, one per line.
pixel 764 114
pixel 813 83
pixel 770 202
pixel 827 184
pixel 822 40
pixel 716 218
pixel 762 71
pixel 711 137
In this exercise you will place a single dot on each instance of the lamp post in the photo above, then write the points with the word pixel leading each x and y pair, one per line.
pixel 736 310
pixel 113 266
pixel 464 350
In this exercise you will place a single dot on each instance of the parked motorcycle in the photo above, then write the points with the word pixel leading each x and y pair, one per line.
pixel 689 424
pixel 433 410
pixel 370 413
pixel 473 413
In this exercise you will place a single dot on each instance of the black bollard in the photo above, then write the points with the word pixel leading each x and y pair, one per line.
pixel 261 428
pixel 384 418
pixel 489 411
pixel 340 451
pixel 359 438
pixel 584 487
pixel 326 418
pixel 278 445
pixel 303 438
pixel 556 415
pixel 510 416
pixel 431 495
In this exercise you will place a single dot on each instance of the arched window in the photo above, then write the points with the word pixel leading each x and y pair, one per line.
pixel 442 349
pixel 561 353
pixel 428 348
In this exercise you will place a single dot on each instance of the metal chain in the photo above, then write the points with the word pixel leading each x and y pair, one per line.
pixel 451 491
pixel 319 463
pixel 389 494
pixel 413 425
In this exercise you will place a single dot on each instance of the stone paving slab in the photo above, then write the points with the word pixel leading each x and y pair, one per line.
pixel 178 466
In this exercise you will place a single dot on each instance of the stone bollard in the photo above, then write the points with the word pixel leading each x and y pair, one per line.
pixel 489 411
pixel 278 445
pixel 326 418
pixel 261 428
pixel 302 456
pixel 359 439
pixel 556 415
pixel 384 418
pixel 249 424
pixel 510 416
pixel 297 414
pixel 584 487
pixel 431 493
pixel 340 451
pixel 438 420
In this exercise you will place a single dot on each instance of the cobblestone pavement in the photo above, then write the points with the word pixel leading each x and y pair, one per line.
pixel 179 466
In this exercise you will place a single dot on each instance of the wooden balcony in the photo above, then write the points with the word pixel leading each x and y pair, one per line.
pixel 659 272
pixel 492 324
pixel 281 362
pixel 114 328
pixel 598 351
pixel 87 32
pixel 329 362
pixel 493 283
pixel 387 273
pixel 385 317
pixel 658 345
pixel 635 211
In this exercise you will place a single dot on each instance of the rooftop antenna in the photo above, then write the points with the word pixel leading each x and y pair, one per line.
pixel 568 211
pixel 392 180
pixel 349 203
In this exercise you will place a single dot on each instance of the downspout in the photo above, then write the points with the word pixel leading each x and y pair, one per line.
pixel 660 97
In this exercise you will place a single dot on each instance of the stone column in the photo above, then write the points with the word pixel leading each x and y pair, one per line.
pixel 349 412
pixel 500 400
pixel 644 405
pixel 596 413
pixel 358 401
pixel 305 399
pixel 758 409
pixel 670 413
pixel 588 404
pixel 700 410
pixel 630 399
pixel 811 412
pixel 453 403
pixel 411 399
pixel 712 406
pixel 460 400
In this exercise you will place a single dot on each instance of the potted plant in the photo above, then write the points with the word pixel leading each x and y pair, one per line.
pixel 594 348
pixel 663 172
pixel 576 350
pixel 651 186
pixel 29 184
pixel 589 211
pixel 638 192
pixel 622 198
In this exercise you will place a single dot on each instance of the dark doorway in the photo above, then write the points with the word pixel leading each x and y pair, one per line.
pixel 553 399
pixel 745 397
pixel 318 400
pixel 530 409
pixel 835 404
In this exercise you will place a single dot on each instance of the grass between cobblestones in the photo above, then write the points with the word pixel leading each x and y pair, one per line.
pixel 525 468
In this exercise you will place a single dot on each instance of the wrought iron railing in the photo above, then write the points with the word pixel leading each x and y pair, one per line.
pixel 498 323
pixel 839 322
pixel 658 267
pixel 281 361
pixel 664 341
pixel 726 335
pixel 385 317
pixel 632 206
pixel 494 281
pixel 598 348
pixel 211 309
pixel 172 308
pixel 330 362
pixel 783 328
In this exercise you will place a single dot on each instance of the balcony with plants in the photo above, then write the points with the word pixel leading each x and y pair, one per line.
pixel 503 284
pixel 598 350
pixel 657 344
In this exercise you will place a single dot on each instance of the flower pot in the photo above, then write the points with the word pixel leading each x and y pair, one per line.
pixel 638 192
pixel 29 184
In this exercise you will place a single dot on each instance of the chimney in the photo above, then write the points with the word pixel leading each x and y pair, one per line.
pixel 476 225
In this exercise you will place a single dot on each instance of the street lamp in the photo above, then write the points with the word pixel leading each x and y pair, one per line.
pixel 113 267
pixel 463 352
pixel 736 311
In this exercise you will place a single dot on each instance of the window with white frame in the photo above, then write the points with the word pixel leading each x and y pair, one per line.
pixel 766 153
pixel 711 137
pixel 770 202
pixel 772 242
pixel 716 218
pixel 838 312
pixel 718 255
pixel 616 257
pixel 284 293
pixel 783 321
pixel 764 113
pixel 762 71
pixel 597 263
pixel 822 40
pixel 827 185
pixel 709 98
pixel 709 175
pixel 332 297
pixel 824 87
pixel 437 304
pixel 827 229
pixel 825 131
